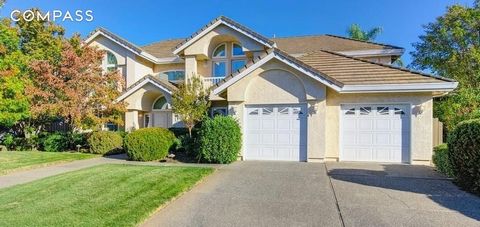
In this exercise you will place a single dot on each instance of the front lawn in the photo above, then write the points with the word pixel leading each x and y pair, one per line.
pixel 106 195
pixel 18 160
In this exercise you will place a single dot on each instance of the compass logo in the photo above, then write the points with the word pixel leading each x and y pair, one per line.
pixel 54 15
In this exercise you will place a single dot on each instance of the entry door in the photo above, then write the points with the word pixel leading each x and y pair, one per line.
pixel 162 119
pixel 276 132
pixel 375 133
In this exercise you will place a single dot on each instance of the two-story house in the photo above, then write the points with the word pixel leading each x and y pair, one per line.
pixel 306 98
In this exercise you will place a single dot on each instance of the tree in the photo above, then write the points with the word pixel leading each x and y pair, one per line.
pixel 76 88
pixel 14 106
pixel 450 48
pixel 190 102
pixel 356 32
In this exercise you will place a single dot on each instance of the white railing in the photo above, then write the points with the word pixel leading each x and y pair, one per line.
pixel 210 81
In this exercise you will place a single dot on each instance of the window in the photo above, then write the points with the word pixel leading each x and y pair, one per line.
pixel 227 58
pixel 297 110
pixel 237 50
pixel 111 126
pixel 176 75
pixel 219 111
pixel 220 51
pixel 253 112
pixel 398 111
pixel 283 110
pixel 365 110
pixel 111 62
pixel 350 111
pixel 267 111
pixel 219 69
pixel 237 64
pixel 146 121
pixel 383 110
pixel 161 104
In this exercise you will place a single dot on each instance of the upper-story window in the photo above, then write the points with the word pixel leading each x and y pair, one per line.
pixel 111 62
pixel 227 58
pixel 175 75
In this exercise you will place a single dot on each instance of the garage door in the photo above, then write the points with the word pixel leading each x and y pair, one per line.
pixel 376 133
pixel 275 132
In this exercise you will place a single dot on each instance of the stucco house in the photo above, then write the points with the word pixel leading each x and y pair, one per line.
pixel 306 98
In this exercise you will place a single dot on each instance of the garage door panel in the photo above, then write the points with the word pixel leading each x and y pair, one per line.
pixel 371 132
pixel 281 135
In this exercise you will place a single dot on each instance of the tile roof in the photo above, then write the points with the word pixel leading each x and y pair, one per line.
pixel 162 82
pixel 353 71
pixel 309 43
pixel 228 21
pixel 162 49
pixel 116 38
pixel 343 70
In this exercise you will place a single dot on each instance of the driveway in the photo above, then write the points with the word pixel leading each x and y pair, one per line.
pixel 315 194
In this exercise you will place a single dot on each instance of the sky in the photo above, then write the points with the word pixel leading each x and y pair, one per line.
pixel 145 21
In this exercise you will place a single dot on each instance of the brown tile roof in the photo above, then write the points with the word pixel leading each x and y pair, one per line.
pixel 305 44
pixel 231 22
pixel 354 71
pixel 164 83
pixel 343 70
pixel 162 49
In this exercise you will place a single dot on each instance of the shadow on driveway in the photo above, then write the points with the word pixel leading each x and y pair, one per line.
pixel 398 182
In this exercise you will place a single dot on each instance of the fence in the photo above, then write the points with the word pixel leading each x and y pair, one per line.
pixel 437 132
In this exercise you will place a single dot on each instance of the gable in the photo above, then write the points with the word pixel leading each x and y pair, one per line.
pixel 223 22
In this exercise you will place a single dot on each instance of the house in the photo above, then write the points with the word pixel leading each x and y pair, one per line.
pixel 307 98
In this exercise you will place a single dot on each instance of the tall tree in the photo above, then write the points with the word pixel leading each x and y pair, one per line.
pixel 190 102
pixel 450 47
pixel 356 32
pixel 76 88
pixel 14 105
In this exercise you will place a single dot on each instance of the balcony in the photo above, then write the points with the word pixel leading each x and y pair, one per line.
pixel 210 81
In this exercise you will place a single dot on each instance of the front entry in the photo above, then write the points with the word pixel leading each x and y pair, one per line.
pixel 276 132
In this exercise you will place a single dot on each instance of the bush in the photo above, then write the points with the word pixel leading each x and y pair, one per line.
pixel 105 142
pixel 220 140
pixel 56 142
pixel 464 154
pixel 8 141
pixel 440 159
pixel 79 139
pixel 149 144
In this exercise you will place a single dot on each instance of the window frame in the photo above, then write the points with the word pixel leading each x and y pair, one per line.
pixel 167 105
pixel 108 65
pixel 213 109
pixel 174 70
pixel 233 55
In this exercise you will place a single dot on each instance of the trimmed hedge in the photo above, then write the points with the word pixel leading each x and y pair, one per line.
pixel 149 144
pixel 464 154
pixel 105 142
pixel 220 140
pixel 56 142
pixel 441 161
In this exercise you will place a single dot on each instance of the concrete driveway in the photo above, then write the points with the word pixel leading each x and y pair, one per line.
pixel 314 194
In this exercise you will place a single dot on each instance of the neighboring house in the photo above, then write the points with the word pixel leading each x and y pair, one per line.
pixel 308 98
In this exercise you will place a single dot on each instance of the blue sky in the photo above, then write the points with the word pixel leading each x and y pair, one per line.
pixel 147 21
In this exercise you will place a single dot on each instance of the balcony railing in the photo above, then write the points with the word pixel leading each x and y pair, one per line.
pixel 210 81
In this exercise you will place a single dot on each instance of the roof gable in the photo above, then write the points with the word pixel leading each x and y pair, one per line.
pixel 222 20
pixel 159 83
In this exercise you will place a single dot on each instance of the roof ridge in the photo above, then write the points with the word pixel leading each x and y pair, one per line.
pixel 363 41
pixel 383 65
pixel 115 36
pixel 300 36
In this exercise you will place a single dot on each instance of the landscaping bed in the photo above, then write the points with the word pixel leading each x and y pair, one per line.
pixel 106 195
pixel 20 160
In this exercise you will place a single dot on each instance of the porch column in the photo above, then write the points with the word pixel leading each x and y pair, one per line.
pixel 131 120
pixel 316 130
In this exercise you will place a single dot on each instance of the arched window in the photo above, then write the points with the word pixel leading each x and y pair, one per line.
pixel 161 104
pixel 111 62
pixel 227 60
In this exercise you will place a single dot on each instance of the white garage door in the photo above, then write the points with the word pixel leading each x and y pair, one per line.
pixel 378 133
pixel 275 132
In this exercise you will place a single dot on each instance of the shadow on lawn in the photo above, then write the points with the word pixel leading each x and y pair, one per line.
pixel 429 183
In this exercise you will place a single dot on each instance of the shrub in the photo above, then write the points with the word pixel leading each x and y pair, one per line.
pixel 105 142
pixel 149 144
pixel 464 154
pixel 56 142
pixel 79 139
pixel 220 140
pixel 8 141
pixel 440 159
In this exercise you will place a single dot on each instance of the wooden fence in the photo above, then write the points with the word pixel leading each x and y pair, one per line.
pixel 437 132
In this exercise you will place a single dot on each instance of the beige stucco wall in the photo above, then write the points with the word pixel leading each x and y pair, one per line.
pixel 168 67
pixel 277 83
pixel 421 121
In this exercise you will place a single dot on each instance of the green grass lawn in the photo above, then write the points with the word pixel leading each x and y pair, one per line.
pixel 106 195
pixel 18 160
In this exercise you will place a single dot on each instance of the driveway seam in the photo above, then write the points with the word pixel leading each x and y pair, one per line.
pixel 334 196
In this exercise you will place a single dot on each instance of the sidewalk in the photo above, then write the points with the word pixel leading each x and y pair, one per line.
pixel 26 176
